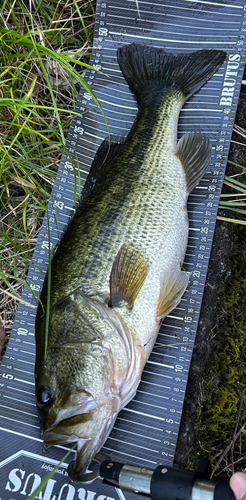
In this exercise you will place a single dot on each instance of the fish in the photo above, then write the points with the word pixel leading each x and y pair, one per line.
pixel 117 271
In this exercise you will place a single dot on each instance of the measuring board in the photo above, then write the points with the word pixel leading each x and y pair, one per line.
pixel 146 431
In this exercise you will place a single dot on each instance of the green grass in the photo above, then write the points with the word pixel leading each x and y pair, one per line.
pixel 233 200
pixel 44 51
pixel 48 476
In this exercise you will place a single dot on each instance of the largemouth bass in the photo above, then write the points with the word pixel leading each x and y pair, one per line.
pixel 117 271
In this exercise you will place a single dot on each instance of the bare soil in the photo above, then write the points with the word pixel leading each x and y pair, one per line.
pixel 193 443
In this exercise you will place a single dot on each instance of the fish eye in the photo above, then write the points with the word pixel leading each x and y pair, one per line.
pixel 45 397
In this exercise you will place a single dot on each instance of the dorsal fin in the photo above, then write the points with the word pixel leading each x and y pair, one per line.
pixel 194 151
pixel 103 159
pixel 128 273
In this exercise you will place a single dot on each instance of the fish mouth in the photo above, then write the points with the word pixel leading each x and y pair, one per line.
pixel 66 430
pixel 82 429
pixel 52 438
pixel 63 424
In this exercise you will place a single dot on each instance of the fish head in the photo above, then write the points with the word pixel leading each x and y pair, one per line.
pixel 78 380
pixel 76 418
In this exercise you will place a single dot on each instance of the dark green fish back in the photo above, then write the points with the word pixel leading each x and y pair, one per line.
pixel 127 190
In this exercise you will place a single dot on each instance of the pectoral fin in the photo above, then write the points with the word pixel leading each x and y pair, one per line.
pixel 128 273
pixel 194 151
pixel 173 286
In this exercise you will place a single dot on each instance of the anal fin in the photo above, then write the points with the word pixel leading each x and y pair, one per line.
pixel 173 286
pixel 128 273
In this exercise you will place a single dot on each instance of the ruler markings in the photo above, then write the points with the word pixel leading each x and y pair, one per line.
pixel 146 403
pixel 17 433
pixel 194 108
pixel 178 7
pixel 20 422
pixel 121 106
pixel 160 386
pixel 170 326
pixel 189 28
pixel 24 371
pixel 207 93
pixel 216 3
pixel 129 455
pixel 124 441
pixel 137 434
pixel 19 390
pixel 194 18
pixel 20 401
pixel 27 362
pixel 160 381
pixel 163 354
pixel 176 25
pixel 129 18
pixel 151 394
pixel 19 411
pixel 148 38
pixel 149 362
pixel 139 424
pixel 27 352
pixel 162 375
pixel 140 391
pixel 233 37
pixel 203 110
pixel 155 417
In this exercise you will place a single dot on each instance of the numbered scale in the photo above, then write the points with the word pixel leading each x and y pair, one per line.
pixel 146 431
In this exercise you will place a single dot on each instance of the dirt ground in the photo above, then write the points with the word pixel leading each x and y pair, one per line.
pixel 193 443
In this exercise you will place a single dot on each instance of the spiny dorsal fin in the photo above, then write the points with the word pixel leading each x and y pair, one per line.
pixel 174 283
pixel 128 273
pixel 194 151
pixel 103 159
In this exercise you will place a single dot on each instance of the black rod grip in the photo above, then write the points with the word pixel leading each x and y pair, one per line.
pixel 110 472
pixel 223 490
pixel 171 483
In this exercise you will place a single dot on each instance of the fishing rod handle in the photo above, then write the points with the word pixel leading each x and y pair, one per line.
pixel 165 483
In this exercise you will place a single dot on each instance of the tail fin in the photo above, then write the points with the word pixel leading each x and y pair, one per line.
pixel 148 69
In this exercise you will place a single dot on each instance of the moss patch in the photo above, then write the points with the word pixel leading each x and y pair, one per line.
pixel 222 412
pixel 215 403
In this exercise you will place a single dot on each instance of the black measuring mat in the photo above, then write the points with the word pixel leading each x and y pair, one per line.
pixel 146 431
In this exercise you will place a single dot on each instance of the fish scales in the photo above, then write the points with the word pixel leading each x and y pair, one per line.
pixel 117 271
pixel 135 195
